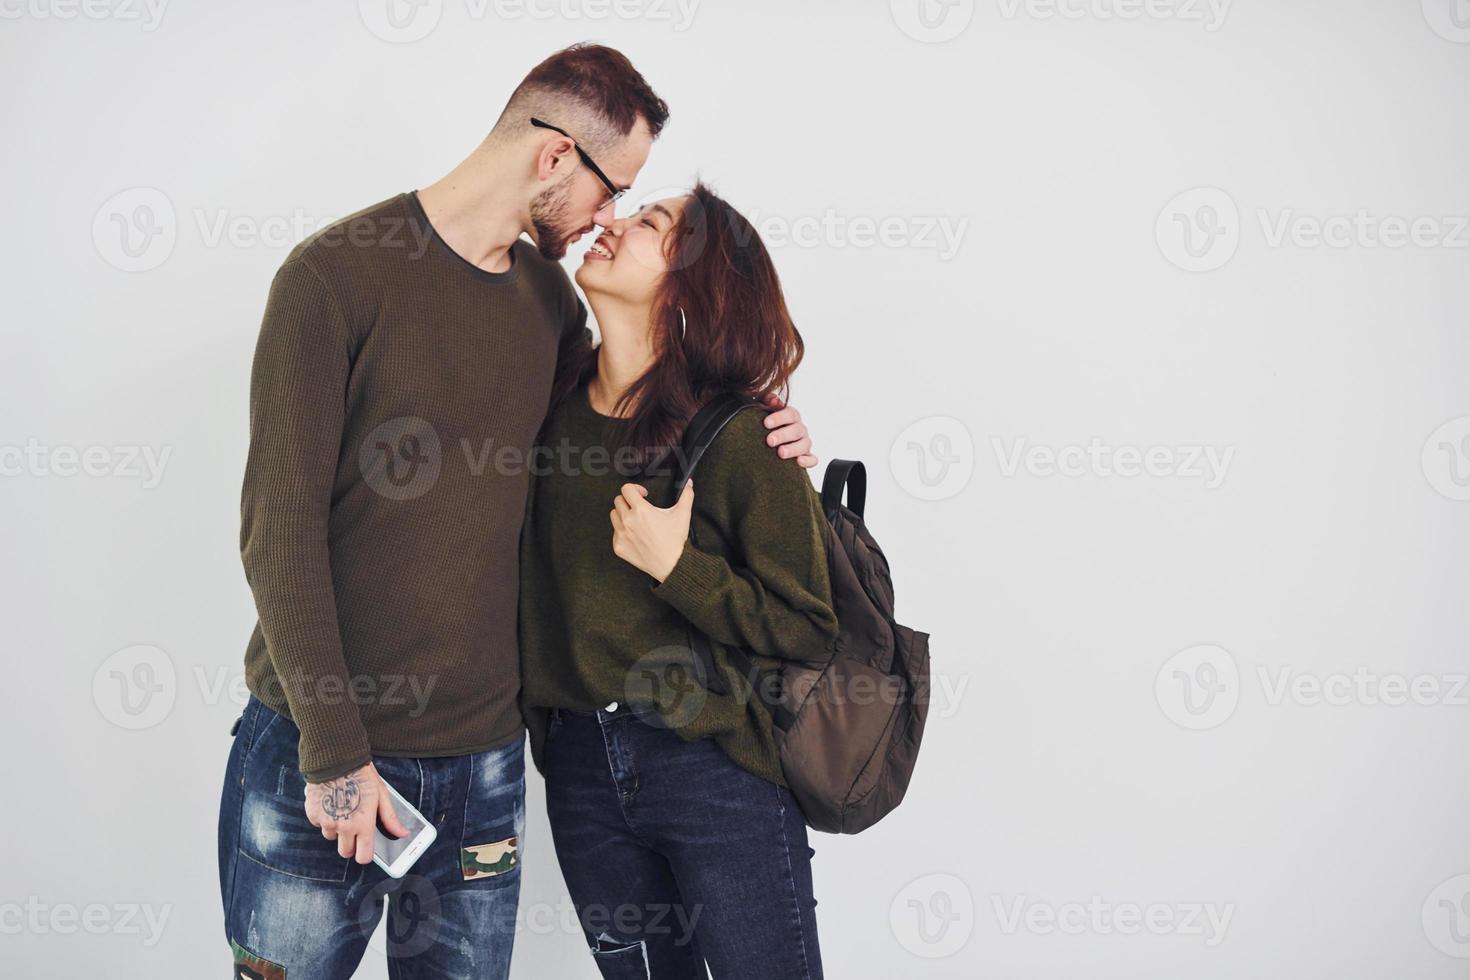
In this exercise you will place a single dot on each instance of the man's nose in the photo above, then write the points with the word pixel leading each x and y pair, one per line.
pixel 606 215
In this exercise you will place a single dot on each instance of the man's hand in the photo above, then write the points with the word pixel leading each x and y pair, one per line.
pixel 347 810
pixel 788 434
pixel 648 537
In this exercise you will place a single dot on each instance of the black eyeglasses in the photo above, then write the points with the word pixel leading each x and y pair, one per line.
pixel 613 190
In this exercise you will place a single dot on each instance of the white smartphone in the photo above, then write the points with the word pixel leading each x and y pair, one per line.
pixel 397 855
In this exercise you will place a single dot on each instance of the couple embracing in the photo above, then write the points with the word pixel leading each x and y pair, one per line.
pixel 458 531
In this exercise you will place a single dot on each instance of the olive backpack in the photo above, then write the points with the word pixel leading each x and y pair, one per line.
pixel 848 727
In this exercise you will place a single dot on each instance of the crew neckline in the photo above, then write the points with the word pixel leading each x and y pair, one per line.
pixel 585 394
pixel 499 278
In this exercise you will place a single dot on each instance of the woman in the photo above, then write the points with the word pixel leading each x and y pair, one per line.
pixel 678 840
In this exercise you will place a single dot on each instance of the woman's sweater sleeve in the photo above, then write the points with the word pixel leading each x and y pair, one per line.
pixel 774 595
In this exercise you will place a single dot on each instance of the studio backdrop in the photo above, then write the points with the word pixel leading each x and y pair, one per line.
pixel 1148 318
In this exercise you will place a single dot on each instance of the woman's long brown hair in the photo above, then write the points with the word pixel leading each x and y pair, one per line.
pixel 740 337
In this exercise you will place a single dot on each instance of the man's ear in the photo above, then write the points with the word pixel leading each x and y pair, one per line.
pixel 552 161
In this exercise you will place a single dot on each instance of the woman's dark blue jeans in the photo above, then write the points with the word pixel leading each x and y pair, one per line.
pixel 675 857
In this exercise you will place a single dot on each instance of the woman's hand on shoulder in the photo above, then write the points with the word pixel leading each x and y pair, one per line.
pixel 647 537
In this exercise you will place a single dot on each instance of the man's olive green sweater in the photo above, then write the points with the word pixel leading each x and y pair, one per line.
pixel 396 393
pixel 595 629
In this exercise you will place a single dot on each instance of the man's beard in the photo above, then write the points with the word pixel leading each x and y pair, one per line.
pixel 548 212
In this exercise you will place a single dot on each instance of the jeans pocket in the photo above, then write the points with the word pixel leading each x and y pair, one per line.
pixel 494 814
pixel 620 961
pixel 274 831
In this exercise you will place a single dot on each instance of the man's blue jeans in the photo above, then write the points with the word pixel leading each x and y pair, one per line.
pixel 295 909
pixel 675 857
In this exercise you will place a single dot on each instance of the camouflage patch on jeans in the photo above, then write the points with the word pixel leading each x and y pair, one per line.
pixel 488 860
pixel 248 966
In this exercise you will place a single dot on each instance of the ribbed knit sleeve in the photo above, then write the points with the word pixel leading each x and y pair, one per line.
pixel 777 598
pixel 297 413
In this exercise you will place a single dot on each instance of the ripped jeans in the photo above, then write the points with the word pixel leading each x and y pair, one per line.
pixel 296 910
pixel 675 857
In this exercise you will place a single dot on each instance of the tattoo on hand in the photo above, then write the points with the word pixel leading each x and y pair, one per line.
pixel 341 797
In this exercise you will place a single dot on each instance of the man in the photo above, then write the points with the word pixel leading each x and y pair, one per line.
pixel 403 369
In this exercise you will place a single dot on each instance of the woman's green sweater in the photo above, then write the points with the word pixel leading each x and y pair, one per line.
pixel 595 629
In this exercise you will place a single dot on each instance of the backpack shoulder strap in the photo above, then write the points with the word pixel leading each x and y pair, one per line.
pixel 844 474
pixel 701 431
pixel 699 435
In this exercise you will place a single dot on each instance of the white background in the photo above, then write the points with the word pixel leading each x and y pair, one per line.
pixel 1067 762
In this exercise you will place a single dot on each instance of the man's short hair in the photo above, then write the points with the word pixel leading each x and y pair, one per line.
pixel 592 91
